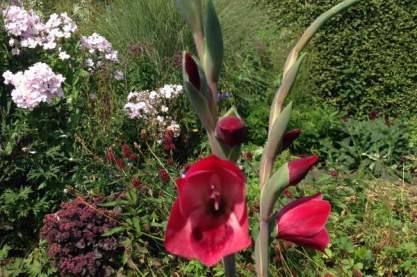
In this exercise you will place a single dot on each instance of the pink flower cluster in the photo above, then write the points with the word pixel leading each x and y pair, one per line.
pixel 100 50
pixel 35 85
pixel 153 106
pixel 26 29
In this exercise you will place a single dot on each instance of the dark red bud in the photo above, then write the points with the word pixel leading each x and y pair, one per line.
pixel 298 169
pixel 133 157
pixel 231 130
pixel 120 164
pixel 373 115
pixel 290 137
pixel 110 156
pixel 126 151
pixel 288 193
pixel 163 176
pixel 136 183
pixel 192 71
pixel 248 156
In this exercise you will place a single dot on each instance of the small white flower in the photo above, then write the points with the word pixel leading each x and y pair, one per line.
pixel 64 56
pixel 164 109
pixel 118 75
pixel 15 51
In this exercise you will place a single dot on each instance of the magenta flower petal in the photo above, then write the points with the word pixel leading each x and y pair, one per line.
pixel 319 241
pixel 177 235
pixel 211 245
pixel 210 212
pixel 303 222
pixel 298 169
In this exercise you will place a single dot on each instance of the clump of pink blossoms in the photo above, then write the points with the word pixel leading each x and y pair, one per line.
pixel 35 85
pixel 100 50
pixel 153 106
pixel 26 29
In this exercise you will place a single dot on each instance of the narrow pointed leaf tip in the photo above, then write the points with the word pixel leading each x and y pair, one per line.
pixel 191 10
pixel 191 69
pixel 298 169
pixel 214 48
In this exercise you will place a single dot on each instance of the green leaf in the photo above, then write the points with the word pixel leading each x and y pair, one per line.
pixel 114 230
pixel 191 10
pixel 136 225
pixel 213 52
pixel 272 189
pixel 200 106
pixel 284 89
pixel 274 139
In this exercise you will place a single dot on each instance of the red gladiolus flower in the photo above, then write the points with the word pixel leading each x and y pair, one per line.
pixel 303 222
pixel 231 130
pixel 298 169
pixel 289 137
pixel 209 220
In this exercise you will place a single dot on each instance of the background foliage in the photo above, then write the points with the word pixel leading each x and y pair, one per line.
pixel 364 60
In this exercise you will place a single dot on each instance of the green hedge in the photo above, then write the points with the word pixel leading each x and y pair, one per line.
pixel 364 59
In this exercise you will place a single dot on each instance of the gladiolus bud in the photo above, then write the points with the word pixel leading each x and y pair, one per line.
pixel 298 169
pixel 303 222
pixel 231 130
pixel 192 71
pixel 290 137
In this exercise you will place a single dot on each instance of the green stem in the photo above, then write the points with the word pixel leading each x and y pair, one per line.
pixel 263 248
pixel 262 244
pixel 229 266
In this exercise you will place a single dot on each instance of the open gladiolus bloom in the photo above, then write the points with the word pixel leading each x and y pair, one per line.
pixel 303 222
pixel 209 219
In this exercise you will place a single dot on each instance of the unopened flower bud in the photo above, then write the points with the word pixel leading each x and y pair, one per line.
pixel 290 137
pixel 298 169
pixel 192 71
pixel 231 130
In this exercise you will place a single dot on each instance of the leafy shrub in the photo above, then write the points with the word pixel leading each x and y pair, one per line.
pixel 79 243
pixel 361 61
pixel 373 146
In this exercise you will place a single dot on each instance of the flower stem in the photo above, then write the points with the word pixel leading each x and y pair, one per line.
pixel 229 266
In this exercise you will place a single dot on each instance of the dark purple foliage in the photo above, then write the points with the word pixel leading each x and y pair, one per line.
pixel 75 242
